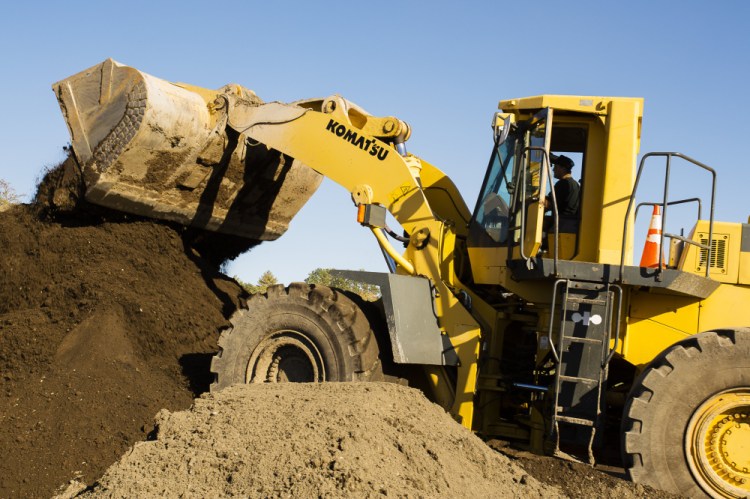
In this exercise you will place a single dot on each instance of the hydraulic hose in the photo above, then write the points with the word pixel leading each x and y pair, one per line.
pixel 388 248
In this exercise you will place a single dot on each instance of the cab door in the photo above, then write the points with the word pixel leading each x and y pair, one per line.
pixel 534 172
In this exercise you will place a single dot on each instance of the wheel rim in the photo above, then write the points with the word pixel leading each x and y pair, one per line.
pixel 286 356
pixel 717 444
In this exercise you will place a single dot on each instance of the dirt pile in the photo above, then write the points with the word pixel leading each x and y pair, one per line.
pixel 104 320
pixel 337 440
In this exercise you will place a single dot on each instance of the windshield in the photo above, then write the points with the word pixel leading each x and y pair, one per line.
pixel 515 181
pixel 536 138
pixel 492 212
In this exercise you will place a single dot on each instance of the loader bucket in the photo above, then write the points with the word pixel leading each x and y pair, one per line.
pixel 161 150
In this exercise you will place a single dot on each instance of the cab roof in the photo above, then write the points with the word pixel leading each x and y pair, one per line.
pixel 573 103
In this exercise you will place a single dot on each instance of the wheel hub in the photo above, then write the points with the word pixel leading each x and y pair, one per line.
pixel 286 356
pixel 717 444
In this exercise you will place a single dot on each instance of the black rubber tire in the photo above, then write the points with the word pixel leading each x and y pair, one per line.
pixel 665 397
pixel 303 333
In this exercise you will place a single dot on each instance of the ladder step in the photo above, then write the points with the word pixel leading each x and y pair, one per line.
pixel 574 379
pixel 572 420
pixel 578 339
pixel 588 301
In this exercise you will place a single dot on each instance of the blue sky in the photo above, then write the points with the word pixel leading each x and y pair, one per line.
pixel 440 66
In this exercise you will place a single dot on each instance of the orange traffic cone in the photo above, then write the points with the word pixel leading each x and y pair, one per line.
pixel 652 248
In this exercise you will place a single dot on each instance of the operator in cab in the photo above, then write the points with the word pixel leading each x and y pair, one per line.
pixel 567 195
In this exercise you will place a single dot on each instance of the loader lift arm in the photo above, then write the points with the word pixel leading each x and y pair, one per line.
pixel 370 169
pixel 334 142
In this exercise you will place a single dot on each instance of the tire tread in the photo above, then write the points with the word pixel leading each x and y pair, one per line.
pixel 646 403
pixel 354 332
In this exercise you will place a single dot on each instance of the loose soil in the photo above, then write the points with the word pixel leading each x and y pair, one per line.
pixel 103 322
pixel 107 320
pixel 337 440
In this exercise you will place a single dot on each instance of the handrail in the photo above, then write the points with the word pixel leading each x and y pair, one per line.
pixel 552 316
pixel 616 317
pixel 664 204
pixel 545 163
pixel 670 203
pixel 675 236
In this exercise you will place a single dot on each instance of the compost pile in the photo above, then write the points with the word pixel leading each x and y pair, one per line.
pixel 107 320
pixel 104 320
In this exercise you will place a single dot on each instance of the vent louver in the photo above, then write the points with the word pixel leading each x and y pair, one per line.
pixel 718 252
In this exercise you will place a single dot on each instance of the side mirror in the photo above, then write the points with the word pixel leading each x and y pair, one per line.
pixel 501 123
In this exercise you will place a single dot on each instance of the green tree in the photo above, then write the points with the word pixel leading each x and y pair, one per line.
pixel 8 195
pixel 324 277
pixel 264 281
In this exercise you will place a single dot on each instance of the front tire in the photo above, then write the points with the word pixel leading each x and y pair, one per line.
pixel 301 333
pixel 686 425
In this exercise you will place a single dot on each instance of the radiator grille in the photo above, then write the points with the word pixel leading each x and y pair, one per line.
pixel 718 252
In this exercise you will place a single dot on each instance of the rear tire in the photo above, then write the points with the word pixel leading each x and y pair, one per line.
pixel 301 333
pixel 686 424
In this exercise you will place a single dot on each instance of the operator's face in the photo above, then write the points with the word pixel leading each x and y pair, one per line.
pixel 559 172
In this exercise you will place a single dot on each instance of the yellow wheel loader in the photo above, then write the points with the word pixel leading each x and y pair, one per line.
pixel 523 323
